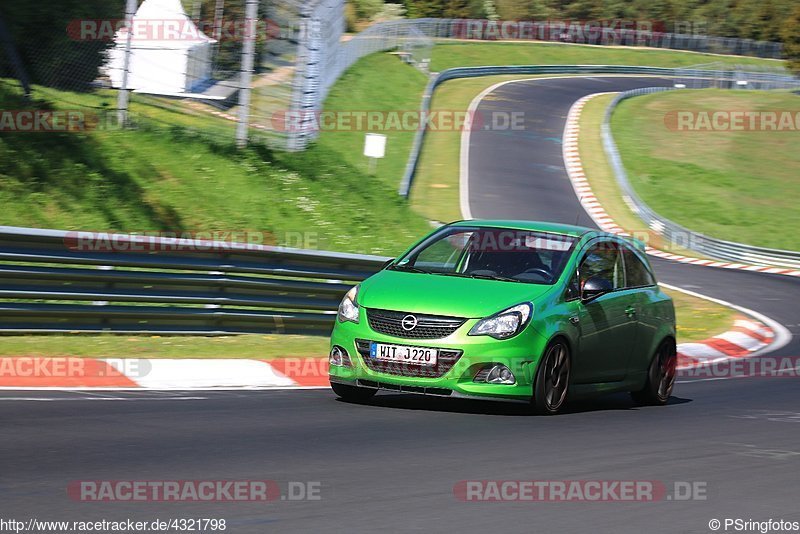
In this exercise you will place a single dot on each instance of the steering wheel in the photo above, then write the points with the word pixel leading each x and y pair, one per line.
pixel 537 270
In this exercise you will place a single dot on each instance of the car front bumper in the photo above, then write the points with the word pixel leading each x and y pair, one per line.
pixel 521 354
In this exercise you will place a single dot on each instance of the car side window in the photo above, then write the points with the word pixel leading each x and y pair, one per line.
pixel 636 272
pixel 603 259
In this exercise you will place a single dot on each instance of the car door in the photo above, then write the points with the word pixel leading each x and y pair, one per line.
pixel 607 324
pixel 639 280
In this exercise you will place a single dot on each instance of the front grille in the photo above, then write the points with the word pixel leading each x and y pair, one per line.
pixel 446 360
pixel 428 326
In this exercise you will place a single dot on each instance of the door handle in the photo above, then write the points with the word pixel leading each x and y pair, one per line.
pixel 630 311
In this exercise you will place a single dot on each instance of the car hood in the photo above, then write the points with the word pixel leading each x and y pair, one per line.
pixel 444 295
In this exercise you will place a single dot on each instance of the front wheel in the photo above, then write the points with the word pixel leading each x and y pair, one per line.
pixel 352 393
pixel 660 377
pixel 552 380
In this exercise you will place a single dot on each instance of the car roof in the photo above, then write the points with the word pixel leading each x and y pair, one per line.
pixel 537 226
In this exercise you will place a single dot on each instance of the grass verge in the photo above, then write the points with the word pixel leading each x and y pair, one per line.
pixel 698 319
pixel 447 54
pixel 263 347
pixel 380 82
pixel 738 185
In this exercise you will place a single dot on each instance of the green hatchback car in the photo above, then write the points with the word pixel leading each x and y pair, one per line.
pixel 508 310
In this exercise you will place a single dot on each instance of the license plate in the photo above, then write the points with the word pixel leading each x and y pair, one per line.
pixel 403 354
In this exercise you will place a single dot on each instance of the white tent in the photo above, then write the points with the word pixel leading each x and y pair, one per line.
pixel 169 54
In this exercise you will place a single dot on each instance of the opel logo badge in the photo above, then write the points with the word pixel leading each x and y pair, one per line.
pixel 409 322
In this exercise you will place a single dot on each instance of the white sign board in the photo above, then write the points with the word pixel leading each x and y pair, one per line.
pixel 375 145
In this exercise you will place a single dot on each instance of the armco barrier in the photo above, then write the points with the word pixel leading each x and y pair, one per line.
pixel 169 286
pixel 674 232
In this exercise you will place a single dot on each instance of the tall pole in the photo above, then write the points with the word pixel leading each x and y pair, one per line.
pixel 219 12
pixel 246 78
pixel 197 11
pixel 124 94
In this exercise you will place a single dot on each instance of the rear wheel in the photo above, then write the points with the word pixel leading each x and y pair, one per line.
pixel 660 377
pixel 352 393
pixel 552 380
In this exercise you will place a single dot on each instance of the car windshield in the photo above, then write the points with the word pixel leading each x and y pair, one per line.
pixel 490 253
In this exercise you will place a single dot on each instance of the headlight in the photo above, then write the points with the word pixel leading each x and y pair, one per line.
pixel 505 324
pixel 348 309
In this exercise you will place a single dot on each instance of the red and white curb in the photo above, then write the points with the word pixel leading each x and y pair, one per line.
pixel 747 337
pixel 162 374
pixel 592 206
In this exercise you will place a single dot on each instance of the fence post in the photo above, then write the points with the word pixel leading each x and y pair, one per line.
pixel 123 97
pixel 246 78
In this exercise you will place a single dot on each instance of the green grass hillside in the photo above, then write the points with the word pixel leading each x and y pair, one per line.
pixel 735 185
pixel 159 178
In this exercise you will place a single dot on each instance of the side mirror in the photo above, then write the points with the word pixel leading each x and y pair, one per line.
pixel 387 263
pixel 595 287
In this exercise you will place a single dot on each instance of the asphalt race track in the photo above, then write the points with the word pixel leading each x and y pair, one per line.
pixel 392 465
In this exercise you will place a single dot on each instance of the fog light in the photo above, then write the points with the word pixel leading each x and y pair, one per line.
pixel 339 357
pixel 500 374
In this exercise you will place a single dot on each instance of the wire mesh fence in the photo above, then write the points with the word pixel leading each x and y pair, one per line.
pixel 184 60
pixel 183 63
pixel 593 33
pixel 728 76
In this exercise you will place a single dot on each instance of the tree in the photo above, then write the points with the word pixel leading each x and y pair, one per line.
pixel 790 35
pixel 367 9
pixel 51 54
pixel 524 10
pixel 453 9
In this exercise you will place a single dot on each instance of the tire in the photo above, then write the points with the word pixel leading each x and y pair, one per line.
pixel 660 377
pixel 352 393
pixel 552 380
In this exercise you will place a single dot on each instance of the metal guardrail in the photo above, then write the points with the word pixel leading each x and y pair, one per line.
pixel 674 232
pixel 50 283
pixel 721 78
